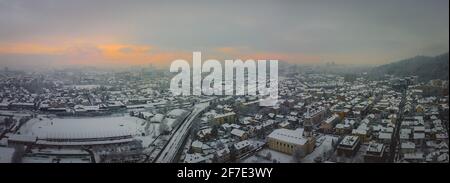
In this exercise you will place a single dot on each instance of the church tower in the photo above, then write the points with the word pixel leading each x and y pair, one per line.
pixel 307 124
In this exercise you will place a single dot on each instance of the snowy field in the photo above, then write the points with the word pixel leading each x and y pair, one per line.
pixel 275 156
pixel 96 127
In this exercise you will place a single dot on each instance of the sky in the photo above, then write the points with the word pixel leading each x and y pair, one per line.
pixel 110 33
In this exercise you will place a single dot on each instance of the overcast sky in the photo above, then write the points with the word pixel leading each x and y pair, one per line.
pixel 100 32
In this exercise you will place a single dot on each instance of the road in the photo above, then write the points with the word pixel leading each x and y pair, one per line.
pixel 175 143
pixel 395 139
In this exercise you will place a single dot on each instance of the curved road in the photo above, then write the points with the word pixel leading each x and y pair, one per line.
pixel 168 154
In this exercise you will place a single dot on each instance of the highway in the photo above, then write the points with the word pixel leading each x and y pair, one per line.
pixel 175 143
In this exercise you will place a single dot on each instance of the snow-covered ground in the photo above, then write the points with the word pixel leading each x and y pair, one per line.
pixel 150 138
pixel 325 146
pixel 6 154
pixel 275 156
pixel 94 127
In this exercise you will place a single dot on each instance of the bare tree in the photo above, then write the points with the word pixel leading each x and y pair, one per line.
pixel 18 154
pixel 131 113
pixel 269 156
pixel 298 154
pixel 163 128
pixel 233 153
pixel 215 130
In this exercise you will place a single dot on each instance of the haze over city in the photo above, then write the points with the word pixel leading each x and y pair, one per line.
pixel 46 33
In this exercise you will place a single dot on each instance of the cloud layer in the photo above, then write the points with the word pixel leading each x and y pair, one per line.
pixel 94 32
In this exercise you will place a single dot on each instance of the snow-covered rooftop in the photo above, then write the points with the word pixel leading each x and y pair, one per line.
pixel 349 140
pixel 157 118
pixel 408 145
pixel 289 136
pixel 237 132
pixel 22 138
pixel 176 112
pixel 197 144
pixel 419 135
pixel 331 119
pixel 194 158
pixel 82 128
pixel 375 147
pixel 385 136
pixel 225 115
pixel 242 144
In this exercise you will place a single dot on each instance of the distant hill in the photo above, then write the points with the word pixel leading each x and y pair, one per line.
pixel 426 68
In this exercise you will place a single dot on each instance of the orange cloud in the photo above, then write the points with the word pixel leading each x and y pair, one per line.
pixel 126 54
pixel 124 51
pixel 227 50
pixel 98 54
pixel 119 54
pixel 29 48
